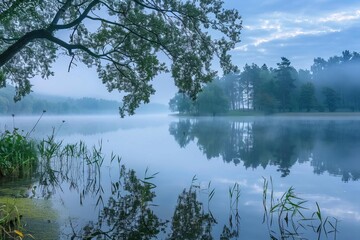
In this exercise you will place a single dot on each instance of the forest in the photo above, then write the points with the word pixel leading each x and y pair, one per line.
pixel 36 104
pixel 330 85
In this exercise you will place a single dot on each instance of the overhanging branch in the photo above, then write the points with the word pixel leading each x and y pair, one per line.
pixel 20 44
pixel 41 34
pixel 76 21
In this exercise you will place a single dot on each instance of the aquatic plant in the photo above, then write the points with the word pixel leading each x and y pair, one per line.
pixel 289 217
pixel 18 155
pixel 18 152
pixel 233 230
pixel 74 164
pixel 10 222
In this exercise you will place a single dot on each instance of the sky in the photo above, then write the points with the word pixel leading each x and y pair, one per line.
pixel 299 30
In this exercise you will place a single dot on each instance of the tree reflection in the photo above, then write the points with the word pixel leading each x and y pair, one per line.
pixel 341 158
pixel 182 131
pixel 129 215
pixel 330 146
pixel 284 151
pixel 189 220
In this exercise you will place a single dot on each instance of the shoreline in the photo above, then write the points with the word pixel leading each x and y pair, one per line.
pixel 282 114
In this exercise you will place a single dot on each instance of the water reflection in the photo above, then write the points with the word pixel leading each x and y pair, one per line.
pixel 329 146
pixel 129 214
pixel 122 206
pixel 102 201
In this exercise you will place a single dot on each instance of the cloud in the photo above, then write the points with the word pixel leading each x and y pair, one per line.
pixel 343 212
pixel 280 26
pixel 341 17
pixel 291 34
pixel 243 182
pixel 335 206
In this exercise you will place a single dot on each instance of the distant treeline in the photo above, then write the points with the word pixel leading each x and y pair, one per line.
pixel 34 104
pixel 330 85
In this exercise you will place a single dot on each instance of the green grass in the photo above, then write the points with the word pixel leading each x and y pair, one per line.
pixel 10 227
pixel 18 155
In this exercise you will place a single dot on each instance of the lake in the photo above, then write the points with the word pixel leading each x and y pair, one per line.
pixel 224 160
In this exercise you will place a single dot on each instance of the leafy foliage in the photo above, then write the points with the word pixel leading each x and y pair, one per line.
pixel 307 96
pixel 18 155
pixel 121 39
pixel 331 99
pixel 210 101
pixel 285 83
pixel 181 103
pixel 331 84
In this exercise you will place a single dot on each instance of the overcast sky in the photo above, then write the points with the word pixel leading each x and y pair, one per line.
pixel 299 30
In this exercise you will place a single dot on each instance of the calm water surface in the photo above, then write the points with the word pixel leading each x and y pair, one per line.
pixel 319 157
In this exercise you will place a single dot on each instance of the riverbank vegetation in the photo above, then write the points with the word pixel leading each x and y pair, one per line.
pixel 330 86
pixel 18 155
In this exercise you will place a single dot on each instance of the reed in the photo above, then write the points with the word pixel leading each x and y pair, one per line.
pixel 18 155
pixel 10 223
pixel 291 217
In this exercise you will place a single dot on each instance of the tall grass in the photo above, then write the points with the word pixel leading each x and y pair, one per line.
pixel 10 223
pixel 18 152
pixel 18 155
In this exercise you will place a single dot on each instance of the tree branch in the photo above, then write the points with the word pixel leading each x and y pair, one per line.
pixel 59 14
pixel 77 21
pixel 19 44
pixel 70 47
pixel 157 42
pixel 41 34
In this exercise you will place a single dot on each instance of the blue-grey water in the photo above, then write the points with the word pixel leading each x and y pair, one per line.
pixel 319 157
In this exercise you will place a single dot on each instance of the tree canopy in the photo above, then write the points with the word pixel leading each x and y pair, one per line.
pixel 210 101
pixel 331 85
pixel 125 40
